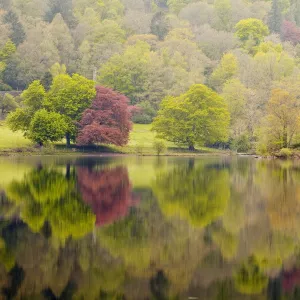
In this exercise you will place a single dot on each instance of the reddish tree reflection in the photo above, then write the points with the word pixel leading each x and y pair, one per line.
pixel 290 280
pixel 108 192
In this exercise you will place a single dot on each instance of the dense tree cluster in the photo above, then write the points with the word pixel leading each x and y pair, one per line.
pixel 149 51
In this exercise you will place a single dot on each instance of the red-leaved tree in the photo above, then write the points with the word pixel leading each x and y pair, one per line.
pixel 290 32
pixel 107 121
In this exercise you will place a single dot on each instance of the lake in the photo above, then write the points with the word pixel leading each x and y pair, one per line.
pixel 149 228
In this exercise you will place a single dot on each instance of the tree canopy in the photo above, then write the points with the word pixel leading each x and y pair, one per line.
pixel 197 117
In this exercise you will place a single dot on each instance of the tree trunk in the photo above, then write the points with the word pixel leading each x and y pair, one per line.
pixel 68 140
pixel 285 137
pixel 191 148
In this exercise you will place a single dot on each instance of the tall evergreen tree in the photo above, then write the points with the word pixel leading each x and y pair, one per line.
pixel 17 31
pixel 275 17
pixel 61 7
pixel 297 12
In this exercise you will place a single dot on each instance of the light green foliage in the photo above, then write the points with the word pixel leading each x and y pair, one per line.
pixel 47 126
pixel 227 243
pixel 7 103
pixel 281 123
pixel 58 69
pixel 249 279
pixel 198 117
pixel 224 13
pixel 226 70
pixel 195 192
pixel 285 152
pixel 251 31
pixel 126 73
pixel 46 195
pixel 32 99
pixel 70 96
pixel 176 5
pixel 159 146
pixel 7 50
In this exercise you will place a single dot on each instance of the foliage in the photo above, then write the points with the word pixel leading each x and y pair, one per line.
pixel 47 126
pixel 197 117
pixel 196 192
pixel 282 122
pixel 159 146
pixel 249 278
pixel 227 69
pixel 285 152
pixel 7 103
pixel 46 195
pixel 107 120
pixel 251 30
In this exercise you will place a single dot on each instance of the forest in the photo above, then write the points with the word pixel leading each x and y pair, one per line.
pixel 214 73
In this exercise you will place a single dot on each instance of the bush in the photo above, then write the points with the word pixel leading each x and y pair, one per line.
pixel 139 149
pixel 145 114
pixel 285 153
pixel 241 143
pixel 159 146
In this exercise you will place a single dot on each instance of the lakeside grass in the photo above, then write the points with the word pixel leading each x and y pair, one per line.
pixel 140 137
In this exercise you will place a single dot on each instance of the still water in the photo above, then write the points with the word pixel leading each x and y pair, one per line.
pixel 149 228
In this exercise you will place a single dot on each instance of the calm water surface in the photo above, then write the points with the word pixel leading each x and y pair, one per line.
pixel 149 228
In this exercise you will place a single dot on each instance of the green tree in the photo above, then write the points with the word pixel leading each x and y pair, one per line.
pixel 70 96
pixel 282 122
pixel 47 126
pixel 275 17
pixel 227 69
pixel 251 31
pixel 17 31
pixel 32 101
pixel 197 117
pixel 7 103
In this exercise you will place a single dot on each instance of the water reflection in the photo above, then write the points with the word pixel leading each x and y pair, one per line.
pixel 127 228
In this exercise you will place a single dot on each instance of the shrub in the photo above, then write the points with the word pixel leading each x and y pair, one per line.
pixel 241 143
pixel 139 149
pixel 159 146
pixel 285 153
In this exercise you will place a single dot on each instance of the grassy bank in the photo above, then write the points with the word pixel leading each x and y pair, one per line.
pixel 141 141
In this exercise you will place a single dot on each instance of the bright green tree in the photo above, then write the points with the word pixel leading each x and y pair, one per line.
pixel 47 126
pixel 226 70
pixel 251 31
pixel 7 103
pixel 197 117
pixel 70 96
pixel 32 101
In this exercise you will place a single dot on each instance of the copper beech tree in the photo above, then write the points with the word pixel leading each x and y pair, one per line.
pixel 107 121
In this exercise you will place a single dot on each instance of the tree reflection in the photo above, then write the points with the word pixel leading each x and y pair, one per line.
pixel 249 279
pixel 107 191
pixel 198 192
pixel 45 195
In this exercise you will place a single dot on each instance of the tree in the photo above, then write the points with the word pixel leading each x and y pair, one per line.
pixel 47 126
pixel 275 17
pixel 70 96
pixel 60 7
pixel 196 117
pixel 224 13
pixel 32 101
pixel 282 122
pixel 17 31
pixel 227 68
pixel 251 30
pixel 160 25
pixel 290 32
pixel 107 120
pixel 7 103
